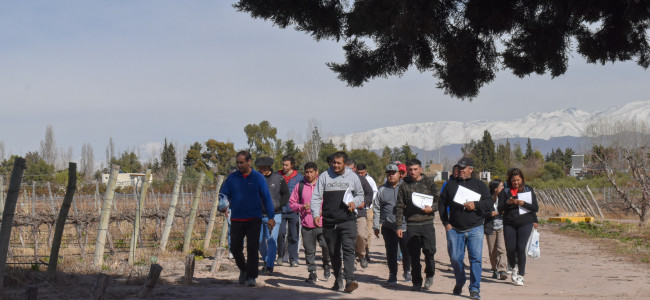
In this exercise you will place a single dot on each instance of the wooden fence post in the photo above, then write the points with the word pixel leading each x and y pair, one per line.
pixel 213 215
pixel 172 212
pixel 138 214
pixel 189 269
pixel 595 203
pixel 195 206
pixel 60 221
pixel 150 282
pixel 104 220
pixel 8 214
pixel 100 287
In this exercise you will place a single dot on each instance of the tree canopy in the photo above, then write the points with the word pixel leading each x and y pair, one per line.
pixel 464 43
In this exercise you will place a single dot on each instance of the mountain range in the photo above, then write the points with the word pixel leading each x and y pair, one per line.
pixel 562 128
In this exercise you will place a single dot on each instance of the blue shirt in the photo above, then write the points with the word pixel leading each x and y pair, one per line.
pixel 248 195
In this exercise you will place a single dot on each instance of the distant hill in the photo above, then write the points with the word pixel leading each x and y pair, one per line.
pixel 562 128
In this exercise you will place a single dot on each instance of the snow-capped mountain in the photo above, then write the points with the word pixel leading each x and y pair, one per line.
pixel 568 122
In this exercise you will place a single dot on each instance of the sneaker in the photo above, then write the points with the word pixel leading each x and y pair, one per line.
pixel 520 281
pixel 251 282
pixel 242 276
pixel 474 295
pixel 514 277
pixel 495 274
pixel 503 275
pixel 392 278
pixel 293 264
pixel 407 276
pixel 428 282
pixel 278 262
pixel 458 289
pixel 230 255
pixel 268 271
pixel 338 284
pixel 327 272
pixel 312 277
pixel 363 262
pixel 351 286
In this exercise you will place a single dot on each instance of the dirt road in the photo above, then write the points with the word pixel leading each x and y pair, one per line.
pixel 568 269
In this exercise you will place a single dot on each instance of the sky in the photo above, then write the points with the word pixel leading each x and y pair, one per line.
pixel 142 71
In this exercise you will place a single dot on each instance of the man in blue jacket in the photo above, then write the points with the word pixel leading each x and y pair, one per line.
pixel 247 191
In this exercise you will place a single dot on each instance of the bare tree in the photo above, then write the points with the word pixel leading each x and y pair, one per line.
pixel 110 151
pixel 619 147
pixel 48 146
pixel 87 160
pixel 64 158
pixel 313 143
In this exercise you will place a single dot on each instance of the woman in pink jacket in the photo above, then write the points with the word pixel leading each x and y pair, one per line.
pixel 300 201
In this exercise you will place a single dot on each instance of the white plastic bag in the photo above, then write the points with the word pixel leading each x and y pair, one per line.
pixel 532 248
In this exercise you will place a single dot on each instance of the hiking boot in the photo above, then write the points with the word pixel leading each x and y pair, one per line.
pixel 503 275
pixel 428 282
pixel 338 284
pixel 363 262
pixel 351 286
pixel 327 272
pixel 458 289
pixel 520 281
pixel 242 276
pixel 293 264
pixel 312 277
pixel 392 278
pixel 495 274
pixel 251 282
pixel 407 276
pixel 474 295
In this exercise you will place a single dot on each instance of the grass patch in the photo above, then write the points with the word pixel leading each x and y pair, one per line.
pixel 630 240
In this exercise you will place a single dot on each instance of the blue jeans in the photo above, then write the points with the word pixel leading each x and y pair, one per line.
pixel 269 240
pixel 457 241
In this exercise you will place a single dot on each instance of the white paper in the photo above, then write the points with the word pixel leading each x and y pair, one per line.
pixel 464 195
pixel 348 197
pixel 421 200
pixel 528 198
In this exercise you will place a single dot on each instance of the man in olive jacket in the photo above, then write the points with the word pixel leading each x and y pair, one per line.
pixel 420 233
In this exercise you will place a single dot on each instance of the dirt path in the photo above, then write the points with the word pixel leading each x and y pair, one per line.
pixel 568 269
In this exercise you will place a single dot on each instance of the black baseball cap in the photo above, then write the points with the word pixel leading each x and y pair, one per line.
pixel 465 162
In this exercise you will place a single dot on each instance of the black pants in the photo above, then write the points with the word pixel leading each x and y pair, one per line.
pixel 251 230
pixel 516 238
pixel 310 236
pixel 421 237
pixel 391 241
pixel 291 224
pixel 341 239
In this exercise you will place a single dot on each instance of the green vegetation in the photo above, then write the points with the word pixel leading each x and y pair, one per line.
pixel 632 240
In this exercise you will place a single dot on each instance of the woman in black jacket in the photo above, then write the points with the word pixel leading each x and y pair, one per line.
pixel 518 205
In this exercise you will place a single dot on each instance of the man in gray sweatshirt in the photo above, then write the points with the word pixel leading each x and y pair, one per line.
pixel 338 218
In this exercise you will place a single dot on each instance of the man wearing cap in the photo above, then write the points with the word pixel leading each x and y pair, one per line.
pixel 337 194
pixel 420 233
pixel 464 225
pixel 280 196
pixel 384 218
pixel 247 191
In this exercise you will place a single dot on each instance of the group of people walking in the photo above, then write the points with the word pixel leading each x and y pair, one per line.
pixel 338 209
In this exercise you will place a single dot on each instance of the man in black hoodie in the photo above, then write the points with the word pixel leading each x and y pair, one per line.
pixel 464 224
pixel 420 233
pixel 280 196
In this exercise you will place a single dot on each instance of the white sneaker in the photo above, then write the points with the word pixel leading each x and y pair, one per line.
pixel 520 281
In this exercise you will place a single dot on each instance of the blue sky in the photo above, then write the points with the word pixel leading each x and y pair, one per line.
pixel 142 71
